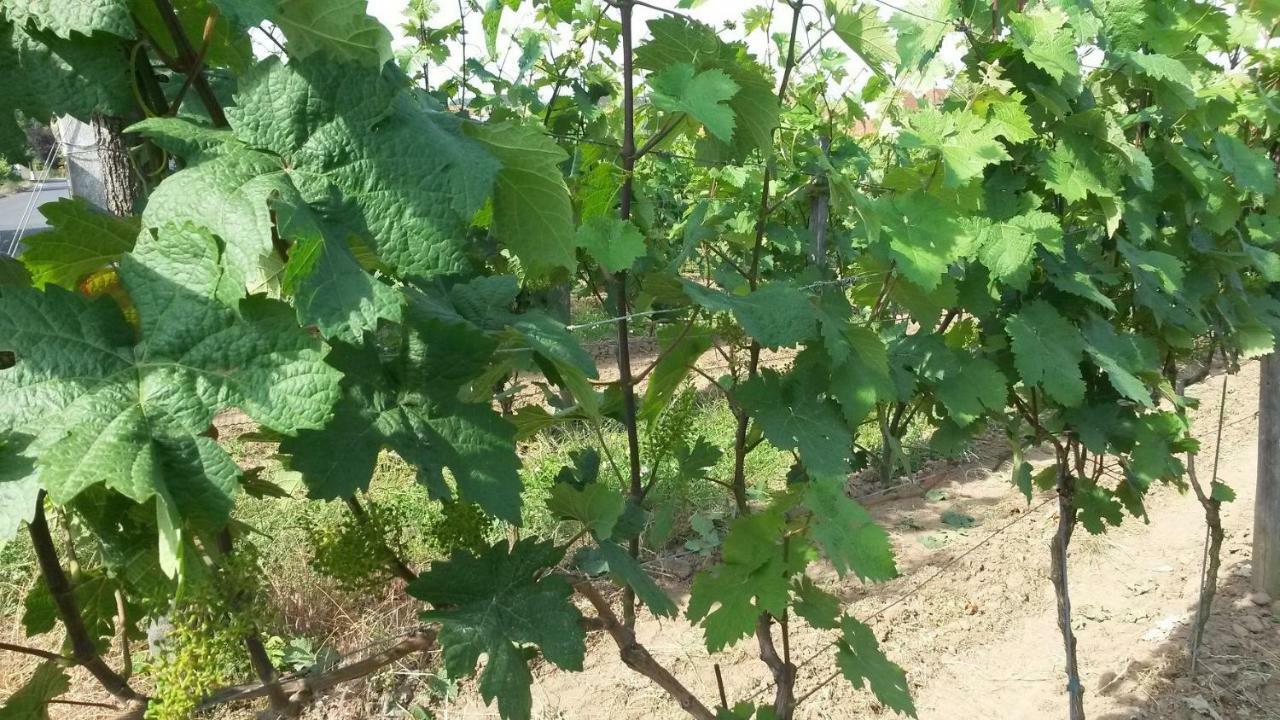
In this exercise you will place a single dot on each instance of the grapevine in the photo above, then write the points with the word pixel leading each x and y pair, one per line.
pixel 1022 218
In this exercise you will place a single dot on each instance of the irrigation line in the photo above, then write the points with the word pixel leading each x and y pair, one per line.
pixel 903 598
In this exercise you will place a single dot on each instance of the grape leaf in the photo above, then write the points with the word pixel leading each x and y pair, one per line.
pixel 19 486
pixel 191 141
pixel 680 350
pixel 329 288
pixel 42 75
pixel 596 506
pixel 31 701
pixel 777 314
pixel 860 27
pixel 965 143
pixel 703 96
pixel 613 242
pixel 1250 167
pixel 1123 357
pixel 973 387
pixel 340 28
pixel 495 603
pixel 794 415
pixel 675 40
pixel 406 399
pixel 231 195
pixel 1007 247
pixel 65 17
pixel 752 577
pixel 864 664
pixel 846 531
pixel 82 240
pixel 132 417
pixel 818 607
pixel 1098 508
pixel 610 557
pixel 531 211
pixel 369 157
pixel 1047 351
pixel 1046 41
pixel 921 236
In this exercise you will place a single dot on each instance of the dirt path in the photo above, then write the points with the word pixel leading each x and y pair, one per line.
pixel 978 639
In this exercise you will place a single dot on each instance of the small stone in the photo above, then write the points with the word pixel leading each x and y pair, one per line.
pixel 1252 623
pixel 1260 599
pixel 1240 630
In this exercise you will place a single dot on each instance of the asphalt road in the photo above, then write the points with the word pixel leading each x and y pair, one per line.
pixel 12 208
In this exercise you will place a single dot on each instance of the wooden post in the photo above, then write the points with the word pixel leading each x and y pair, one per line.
pixel 1266 511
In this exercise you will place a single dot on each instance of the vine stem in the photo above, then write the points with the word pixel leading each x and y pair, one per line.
pixel 64 602
pixel 34 652
pixel 189 59
pixel 1058 552
pixel 628 153
pixel 637 657
pixel 781 667
pixel 1214 533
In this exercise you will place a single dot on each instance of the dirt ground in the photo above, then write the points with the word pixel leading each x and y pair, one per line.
pixel 972 617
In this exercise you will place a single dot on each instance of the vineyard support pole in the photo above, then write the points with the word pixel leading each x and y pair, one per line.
pixel 1266 510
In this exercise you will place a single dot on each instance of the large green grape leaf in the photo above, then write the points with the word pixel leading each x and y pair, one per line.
pixel 82 240
pixel 42 75
pixel 1047 350
pixel 966 144
pixel 1250 167
pixel 329 287
pixel 370 157
pixel 95 598
pixel 1123 357
pixel 231 194
pixel 818 607
pixel 31 701
pixel 191 141
pixel 64 17
pixel 675 40
pixel 860 27
pixel 795 414
pixel 921 236
pixel 406 398
pixel 1007 247
pixel 864 664
pixel 921 32
pixel 340 28
pixel 752 577
pixel 131 414
pixel 613 242
pixel 703 96
pixel 495 604
pixel 245 198
pixel 777 314
pixel 1046 41
pixel 846 531
pixel 532 214
pixel 596 505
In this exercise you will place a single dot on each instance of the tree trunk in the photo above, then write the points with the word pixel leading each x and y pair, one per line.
pixel 1266 509
pixel 120 190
